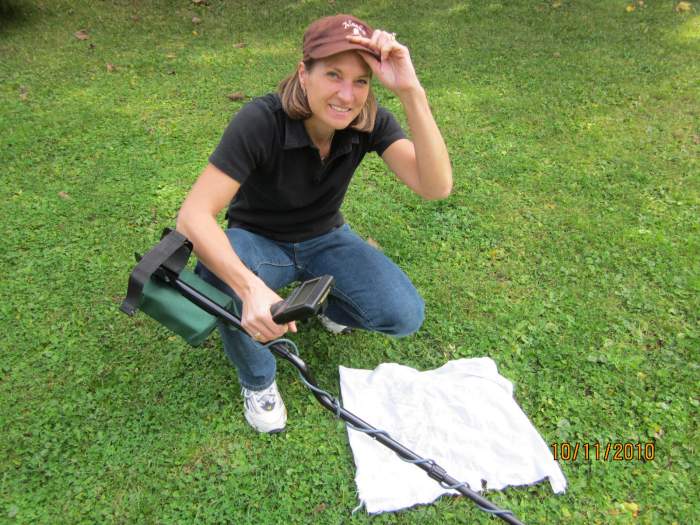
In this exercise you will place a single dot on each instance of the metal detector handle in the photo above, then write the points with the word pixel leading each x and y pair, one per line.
pixel 305 301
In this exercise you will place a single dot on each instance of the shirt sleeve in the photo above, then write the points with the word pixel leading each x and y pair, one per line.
pixel 386 131
pixel 245 142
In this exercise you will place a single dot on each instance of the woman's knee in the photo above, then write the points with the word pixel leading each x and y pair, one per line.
pixel 404 317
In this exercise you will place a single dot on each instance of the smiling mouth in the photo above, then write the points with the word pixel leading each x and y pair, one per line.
pixel 339 109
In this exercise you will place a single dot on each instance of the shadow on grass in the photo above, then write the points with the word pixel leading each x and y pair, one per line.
pixel 12 13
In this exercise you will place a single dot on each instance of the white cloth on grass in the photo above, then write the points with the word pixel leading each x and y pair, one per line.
pixel 462 415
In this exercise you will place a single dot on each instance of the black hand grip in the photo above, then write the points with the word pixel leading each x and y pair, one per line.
pixel 276 308
pixel 304 301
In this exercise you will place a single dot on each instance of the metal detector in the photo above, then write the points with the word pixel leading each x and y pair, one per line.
pixel 303 302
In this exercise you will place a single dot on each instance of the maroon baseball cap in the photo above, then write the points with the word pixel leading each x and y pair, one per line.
pixel 326 36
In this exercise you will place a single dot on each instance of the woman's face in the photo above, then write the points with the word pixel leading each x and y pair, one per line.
pixel 336 88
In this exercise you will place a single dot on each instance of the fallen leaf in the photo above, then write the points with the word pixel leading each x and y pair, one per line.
pixel 194 33
pixel 319 508
pixel 557 54
pixel 497 254
pixel 235 96
pixel 631 507
pixel 630 8
pixel 81 35
pixel 240 44
pixel 696 139
pixel 111 68
pixel 135 18
pixel 63 195
pixel 556 4
pixel 683 7
pixel 196 20
pixel 171 55
pixel 373 243
pixel 640 3
pixel 199 2
pixel 23 92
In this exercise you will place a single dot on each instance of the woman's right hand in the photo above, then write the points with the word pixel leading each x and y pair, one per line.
pixel 197 221
pixel 256 316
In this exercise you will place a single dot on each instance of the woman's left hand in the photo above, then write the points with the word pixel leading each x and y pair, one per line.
pixel 395 70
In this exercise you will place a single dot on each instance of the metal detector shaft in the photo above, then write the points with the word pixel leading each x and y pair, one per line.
pixel 433 470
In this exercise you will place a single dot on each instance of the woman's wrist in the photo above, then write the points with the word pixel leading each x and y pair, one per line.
pixel 412 95
pixel 242 281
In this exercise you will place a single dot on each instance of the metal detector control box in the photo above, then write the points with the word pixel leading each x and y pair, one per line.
pixel 304 302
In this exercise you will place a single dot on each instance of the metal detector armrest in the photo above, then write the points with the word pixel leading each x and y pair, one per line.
pixel 304 301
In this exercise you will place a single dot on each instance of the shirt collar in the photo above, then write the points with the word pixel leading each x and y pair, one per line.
pixel 296 136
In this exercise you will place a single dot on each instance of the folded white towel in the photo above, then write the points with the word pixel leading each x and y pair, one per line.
pixel 462 415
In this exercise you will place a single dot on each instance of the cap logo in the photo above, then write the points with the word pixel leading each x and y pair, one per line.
pixel 357 29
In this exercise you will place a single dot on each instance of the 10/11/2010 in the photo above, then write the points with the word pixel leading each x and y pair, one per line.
pixel 623 451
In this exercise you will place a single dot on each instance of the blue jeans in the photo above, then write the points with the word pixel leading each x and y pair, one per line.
pixel 370 291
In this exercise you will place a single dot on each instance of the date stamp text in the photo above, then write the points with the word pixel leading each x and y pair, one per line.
pixel 623 451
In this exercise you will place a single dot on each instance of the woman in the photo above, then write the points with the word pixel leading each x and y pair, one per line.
pixel 282 168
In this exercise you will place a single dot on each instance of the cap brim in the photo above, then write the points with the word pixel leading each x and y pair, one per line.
pixel 327 50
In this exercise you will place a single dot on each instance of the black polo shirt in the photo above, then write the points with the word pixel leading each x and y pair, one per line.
pixel 286 192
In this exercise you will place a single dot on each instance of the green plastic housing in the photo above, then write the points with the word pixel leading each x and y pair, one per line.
pixel 167 306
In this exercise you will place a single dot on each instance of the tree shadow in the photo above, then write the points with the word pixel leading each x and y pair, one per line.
pixel 12 13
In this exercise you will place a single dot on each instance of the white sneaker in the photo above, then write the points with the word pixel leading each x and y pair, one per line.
pixel 332 326
pixel 264 409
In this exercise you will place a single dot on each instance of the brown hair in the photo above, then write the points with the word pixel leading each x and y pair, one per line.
pixel 296 105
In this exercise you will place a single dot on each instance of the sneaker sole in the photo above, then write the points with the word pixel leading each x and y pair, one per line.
pixel 272 428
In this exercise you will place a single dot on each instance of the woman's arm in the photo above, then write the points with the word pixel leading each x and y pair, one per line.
pixel 424 164
pixel 197 221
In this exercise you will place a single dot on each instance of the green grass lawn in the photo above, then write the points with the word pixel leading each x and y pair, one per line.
pixel 569 253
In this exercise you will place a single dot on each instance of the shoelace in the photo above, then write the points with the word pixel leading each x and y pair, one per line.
pixel 262 397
